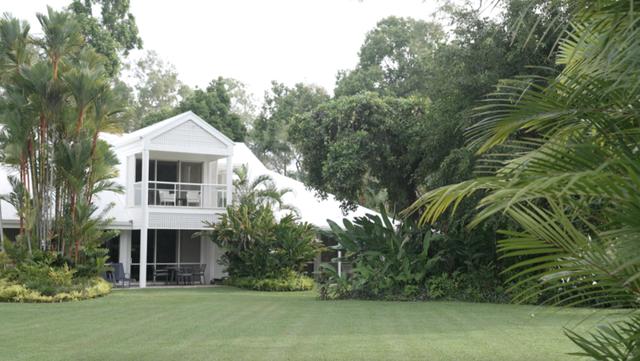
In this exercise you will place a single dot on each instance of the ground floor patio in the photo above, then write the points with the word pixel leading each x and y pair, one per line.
pixel 167 252
pixel 221 323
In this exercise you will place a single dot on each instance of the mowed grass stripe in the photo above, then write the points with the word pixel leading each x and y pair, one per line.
pixel 230 324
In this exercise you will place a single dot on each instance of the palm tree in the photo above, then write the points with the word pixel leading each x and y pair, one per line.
pixel 106 108
pixel 86 82
pixel 560 157
pixel 14 38
pixel 61 36
pixel 261 191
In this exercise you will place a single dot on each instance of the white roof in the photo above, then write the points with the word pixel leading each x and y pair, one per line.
pixel 310 208
pixel 166 124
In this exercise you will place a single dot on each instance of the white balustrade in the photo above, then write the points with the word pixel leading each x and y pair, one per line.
pixel 178 194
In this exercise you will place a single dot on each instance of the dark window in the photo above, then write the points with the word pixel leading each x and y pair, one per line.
pixel 166 246
pixel 113 245
pixel 167 171
pixel 138 170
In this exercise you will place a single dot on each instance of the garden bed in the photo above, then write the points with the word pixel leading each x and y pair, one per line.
pixel 290 282
pixel 13 292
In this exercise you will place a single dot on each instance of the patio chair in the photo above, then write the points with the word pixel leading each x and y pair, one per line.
pixel 193 197
pixel 184 275
pixel 159 273
pixel 107 275
pixel 119 276
pixel 167 197
pixel 199 273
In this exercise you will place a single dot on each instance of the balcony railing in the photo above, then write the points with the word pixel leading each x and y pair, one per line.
pixel 175 194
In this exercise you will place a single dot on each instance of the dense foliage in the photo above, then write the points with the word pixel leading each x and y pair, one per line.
pixel 364 141
pixel 270 136
pixel 113 33
pixel 258 245
pixel 384 260
pixel 48 277
pixel 395 127
pixel 570 178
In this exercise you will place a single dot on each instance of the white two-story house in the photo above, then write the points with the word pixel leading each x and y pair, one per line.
pixel 177 175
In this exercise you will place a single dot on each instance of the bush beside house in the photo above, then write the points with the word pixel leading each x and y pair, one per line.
pixel 399 262
pixel 45 277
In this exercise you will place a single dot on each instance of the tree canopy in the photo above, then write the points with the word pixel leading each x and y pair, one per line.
pixel 270 137
pixel 365 140
pixel 395 59
pixel 113 33
pixel 213 104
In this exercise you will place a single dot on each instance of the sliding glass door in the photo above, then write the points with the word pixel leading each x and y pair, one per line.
pixel 166 249
pixel 173 183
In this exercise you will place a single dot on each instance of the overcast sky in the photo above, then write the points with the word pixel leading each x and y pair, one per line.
pixel 254 41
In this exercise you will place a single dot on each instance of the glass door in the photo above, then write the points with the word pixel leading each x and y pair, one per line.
pixel 167 249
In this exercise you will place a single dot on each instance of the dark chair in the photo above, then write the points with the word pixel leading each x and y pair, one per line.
pixel 107 274
pixel 199 273
pixel 160 273
pixel 119 276
pixel 184 275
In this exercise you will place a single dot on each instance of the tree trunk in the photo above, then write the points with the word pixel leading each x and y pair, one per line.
pixel 80 121
pixel 73 226
pixel 94 144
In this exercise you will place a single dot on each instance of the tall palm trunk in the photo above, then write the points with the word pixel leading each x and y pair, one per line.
pixel 80 121
pixel 43 219
pixel 73 226
pixel 94 144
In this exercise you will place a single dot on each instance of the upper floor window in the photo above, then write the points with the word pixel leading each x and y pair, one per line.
pixel 171 171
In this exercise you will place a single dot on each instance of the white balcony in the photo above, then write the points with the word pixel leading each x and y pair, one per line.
pixel 181 194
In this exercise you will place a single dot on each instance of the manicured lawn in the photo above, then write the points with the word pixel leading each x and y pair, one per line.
pixel 230 324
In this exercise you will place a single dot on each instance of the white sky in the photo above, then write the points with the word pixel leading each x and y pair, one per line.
pixel 251 40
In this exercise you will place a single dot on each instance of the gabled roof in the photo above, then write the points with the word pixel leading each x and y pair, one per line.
pixel 168 124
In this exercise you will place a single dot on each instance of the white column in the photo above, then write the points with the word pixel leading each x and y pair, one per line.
pixel 124 255
pixel 229 179
pixel 131 178
pixel 142 279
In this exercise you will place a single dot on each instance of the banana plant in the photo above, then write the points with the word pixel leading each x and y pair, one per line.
pixel 384 257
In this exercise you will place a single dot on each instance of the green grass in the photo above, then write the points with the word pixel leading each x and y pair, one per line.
pixel 231 324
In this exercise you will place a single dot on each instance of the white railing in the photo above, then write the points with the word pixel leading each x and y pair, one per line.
pixel 175 194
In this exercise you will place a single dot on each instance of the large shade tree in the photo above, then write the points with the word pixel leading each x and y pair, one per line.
pixel 113 32
pixel 271 138
pixel 351 143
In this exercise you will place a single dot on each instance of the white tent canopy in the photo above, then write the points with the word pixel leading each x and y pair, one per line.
pixel 310 208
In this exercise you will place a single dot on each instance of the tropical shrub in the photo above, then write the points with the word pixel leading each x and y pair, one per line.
pixel 49 277
pixel 5 261
pixel 288 281
pixel 259 246
pixel 332 285
pixel 42 278
pixel 385 260
pixel 466 287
